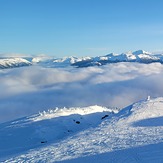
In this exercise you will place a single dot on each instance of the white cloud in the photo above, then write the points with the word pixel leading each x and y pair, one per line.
pixel 126 71
pixel 28 90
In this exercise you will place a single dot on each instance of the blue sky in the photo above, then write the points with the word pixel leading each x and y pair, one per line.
pixel 80 27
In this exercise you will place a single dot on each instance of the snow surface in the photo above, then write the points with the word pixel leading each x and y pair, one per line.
pixel 91 134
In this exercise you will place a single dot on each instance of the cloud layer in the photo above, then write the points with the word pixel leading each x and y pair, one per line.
pixel 27 90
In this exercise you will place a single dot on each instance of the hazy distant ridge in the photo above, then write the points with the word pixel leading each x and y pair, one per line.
pixel 139 56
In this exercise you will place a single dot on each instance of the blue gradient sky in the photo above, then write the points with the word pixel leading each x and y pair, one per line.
pixel 80 27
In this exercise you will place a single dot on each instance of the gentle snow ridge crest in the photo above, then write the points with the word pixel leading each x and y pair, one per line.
pixel 53 113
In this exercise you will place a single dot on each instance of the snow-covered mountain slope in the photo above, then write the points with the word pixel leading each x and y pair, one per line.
pixel 140 56
pixel 13 62
pixel 137 56
pixel 134 134
pixel 48 127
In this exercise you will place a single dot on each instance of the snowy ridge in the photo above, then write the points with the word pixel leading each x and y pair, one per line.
pixel 137 56
pixel 70 111
pixel 140 56
pixel 135 134
pixel 13 62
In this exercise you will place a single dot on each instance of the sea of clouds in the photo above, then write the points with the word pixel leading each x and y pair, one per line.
pixel 28 90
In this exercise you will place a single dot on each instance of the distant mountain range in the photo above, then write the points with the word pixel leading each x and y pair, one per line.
pixel 140 56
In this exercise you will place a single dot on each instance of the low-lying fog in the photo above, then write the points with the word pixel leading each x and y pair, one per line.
pixel 28 90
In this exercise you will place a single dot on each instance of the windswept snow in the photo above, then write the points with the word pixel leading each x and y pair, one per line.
pixel 69 111
pixel 135 134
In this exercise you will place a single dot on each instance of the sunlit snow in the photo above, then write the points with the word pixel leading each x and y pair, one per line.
pixel 122 137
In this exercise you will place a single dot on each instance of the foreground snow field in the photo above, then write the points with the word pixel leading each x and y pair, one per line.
pixel 90 134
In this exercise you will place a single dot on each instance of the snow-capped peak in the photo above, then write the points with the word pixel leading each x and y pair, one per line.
pixel 65 60
pixel 141 52
pixel 140 56
pixel 13 62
